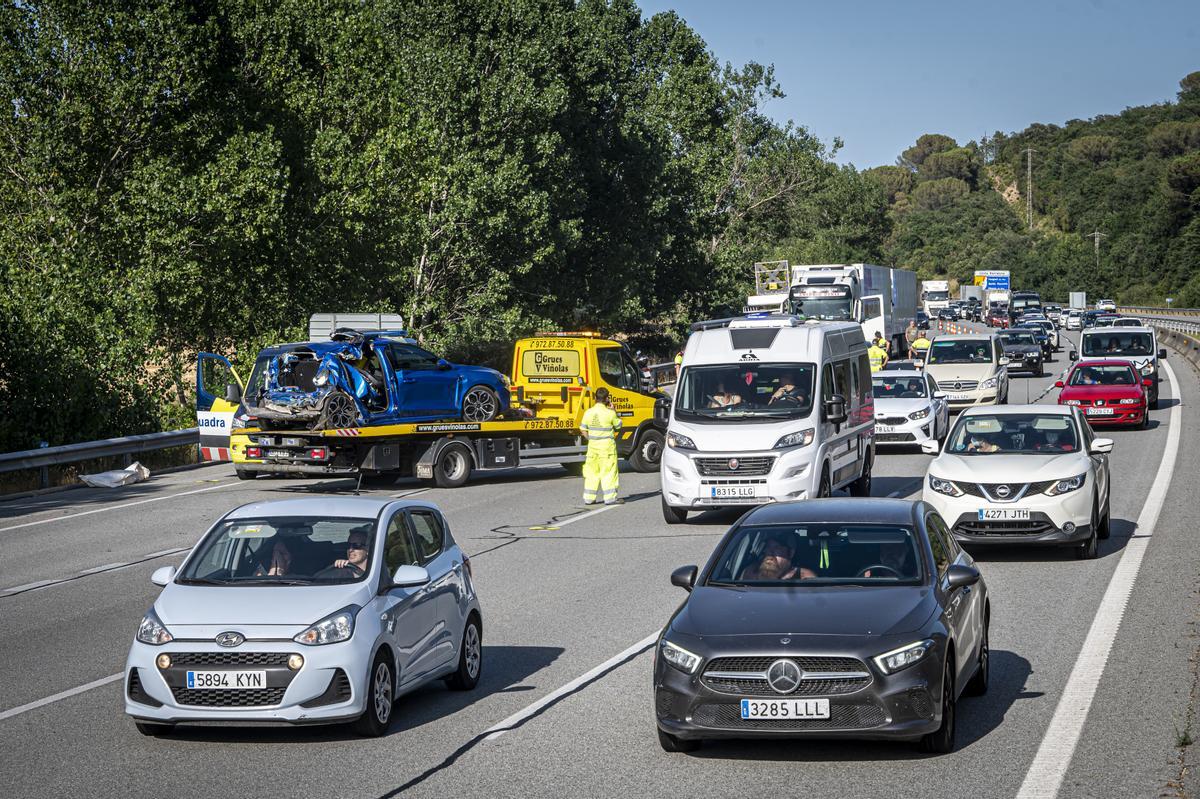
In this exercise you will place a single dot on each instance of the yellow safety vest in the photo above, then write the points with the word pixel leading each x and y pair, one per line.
pixel 921 344
pixel 878 357
pixel 601 424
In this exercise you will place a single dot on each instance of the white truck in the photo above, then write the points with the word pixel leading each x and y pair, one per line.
pixel 1079 300
pixel 935 295
pixel 881 299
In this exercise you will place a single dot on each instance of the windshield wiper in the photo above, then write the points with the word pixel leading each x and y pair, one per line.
pixel 270 581
pixel 201 581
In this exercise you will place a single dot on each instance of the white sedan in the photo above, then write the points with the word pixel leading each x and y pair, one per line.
pixel 1023 474
pixel 909 408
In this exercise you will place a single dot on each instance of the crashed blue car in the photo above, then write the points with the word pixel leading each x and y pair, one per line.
pixel 363 378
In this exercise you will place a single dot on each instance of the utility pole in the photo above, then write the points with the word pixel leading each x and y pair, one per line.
pixel 1096 235
pixel 1029 151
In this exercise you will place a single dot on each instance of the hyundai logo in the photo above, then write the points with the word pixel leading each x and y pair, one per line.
pixel 230 639
pixel 734 463
pixel 784 676
pixel 1003 491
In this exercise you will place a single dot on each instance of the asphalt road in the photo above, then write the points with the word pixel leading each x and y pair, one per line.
pixel 563 592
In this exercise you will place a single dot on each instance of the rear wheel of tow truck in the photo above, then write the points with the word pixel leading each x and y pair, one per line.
pixel 340 412
pixel 452 467
pixel 480 405
pixel 647 451
pixel 245 474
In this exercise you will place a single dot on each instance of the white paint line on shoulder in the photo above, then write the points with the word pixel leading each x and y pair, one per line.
pixel 1053 758
pixel 113 507
pixel 585 515
pixel 496 730
pixel 19 709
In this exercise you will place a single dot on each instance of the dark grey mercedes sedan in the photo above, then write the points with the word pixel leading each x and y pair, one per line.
pixel 825 618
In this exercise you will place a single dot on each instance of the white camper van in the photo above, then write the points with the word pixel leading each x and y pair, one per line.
pixel 768 408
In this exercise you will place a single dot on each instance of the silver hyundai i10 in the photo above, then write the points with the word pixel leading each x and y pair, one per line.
pixel 313 610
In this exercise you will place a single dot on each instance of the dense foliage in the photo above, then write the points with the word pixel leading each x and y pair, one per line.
pixel 203 175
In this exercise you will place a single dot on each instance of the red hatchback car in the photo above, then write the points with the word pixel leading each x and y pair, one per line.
pixel 1108 392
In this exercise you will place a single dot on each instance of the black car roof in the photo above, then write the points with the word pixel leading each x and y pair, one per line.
pixel 863 510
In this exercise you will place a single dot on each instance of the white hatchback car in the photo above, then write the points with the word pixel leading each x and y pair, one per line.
pixel 1023 474
pixel 315 610
pixel 909 408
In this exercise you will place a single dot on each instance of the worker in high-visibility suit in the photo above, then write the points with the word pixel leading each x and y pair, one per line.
pixel 920 346
pixel 877 356
pixel 600 426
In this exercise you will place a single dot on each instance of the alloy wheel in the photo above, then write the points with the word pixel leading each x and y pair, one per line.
pixel 383 693
pixel 472 650
pixel 480 405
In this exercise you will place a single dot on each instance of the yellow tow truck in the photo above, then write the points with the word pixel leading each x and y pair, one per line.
pixel 553 381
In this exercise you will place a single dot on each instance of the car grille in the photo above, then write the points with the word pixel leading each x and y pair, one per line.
pixel 746 467
pixel 841 717
pixel 959 385
pixel 1015 490
pixel 1039 524
pixel 258 697
pixel 891 420
pixel 751 676
pixel 229 658
pixel 895 438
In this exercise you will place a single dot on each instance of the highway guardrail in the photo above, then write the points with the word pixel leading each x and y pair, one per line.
pixel 44 457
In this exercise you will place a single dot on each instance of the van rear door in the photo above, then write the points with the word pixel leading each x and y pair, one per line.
pixel 218 395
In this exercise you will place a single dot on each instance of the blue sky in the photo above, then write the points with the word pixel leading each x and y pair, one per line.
pixel 878 74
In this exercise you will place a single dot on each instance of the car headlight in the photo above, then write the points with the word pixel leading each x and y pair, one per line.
pixel 991 382
pixel 801 438
pixel 680 658
pixel 921 414
pixel 1148 369
pixel 332 629
pixel 152 631
pixel 677 441
pixel 1065 486
pixel 944 487
pixel 902 658
pixel 1130 401
pixel 321 379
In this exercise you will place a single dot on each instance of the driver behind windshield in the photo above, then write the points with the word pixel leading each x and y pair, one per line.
pixel 776 562
pixel 354 564
pixel 720 398
pixel 787 390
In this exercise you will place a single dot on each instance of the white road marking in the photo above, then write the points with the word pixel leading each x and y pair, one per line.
pixel 28 586
pixel 16 711
pixel 20 589
pixel 105 567
pixel 586 515
pixel 496 730
pixel 1054 755
pixel 113 507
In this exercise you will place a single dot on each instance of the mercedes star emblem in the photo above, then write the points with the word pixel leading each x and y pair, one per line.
pixel 784 676
pixel 230 639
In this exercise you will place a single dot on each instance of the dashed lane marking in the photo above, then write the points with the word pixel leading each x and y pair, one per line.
pixel 113 507
pixel 19 709
pixel 1057 749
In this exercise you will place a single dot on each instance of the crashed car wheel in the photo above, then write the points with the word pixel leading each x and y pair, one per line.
pixel 480 405
pixel 340 412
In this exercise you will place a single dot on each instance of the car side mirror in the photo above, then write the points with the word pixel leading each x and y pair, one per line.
pixel 1147 382
pixel 233 393
pixel 684 577
pixel 1074 356
pixel 409 576
pixel 1162 353
pixel 1101 445
pixel 959 576
pixel 662 412
pixel 1003 362
pixel 929 447
pixel 163 575
pixel 835 409
pixel 939 395
pixel 443 364
pixel 1058 384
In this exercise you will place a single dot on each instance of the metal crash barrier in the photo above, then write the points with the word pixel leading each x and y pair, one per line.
pixel 89 450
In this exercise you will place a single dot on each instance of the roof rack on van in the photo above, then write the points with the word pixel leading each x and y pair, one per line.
pixel 763 319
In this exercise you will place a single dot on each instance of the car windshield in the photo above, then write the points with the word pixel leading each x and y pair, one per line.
pixel 283 550
pixel 1017 337
pixel 754 392
pixel 968 351
pixel 937 296
pixel 899 387
pixel 986 434
pixel 818 554
pixel 1103 375
pixel 837 309
pixel 1115 343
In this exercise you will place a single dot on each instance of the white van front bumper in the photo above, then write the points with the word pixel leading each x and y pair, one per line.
pixel 697 480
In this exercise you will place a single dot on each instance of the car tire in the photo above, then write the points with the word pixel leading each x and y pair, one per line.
pixel 673 743
pixel 152 730
pixel 1089 549
pixel 941 740
pixel 380 690
pixel 647 451
pixel 470 657
pixel 452 467
pixel 480 404
pixel 672 515
pixel 978 684
pixel 1106 522
pixel 825 487
pixel 339 412
pixel 1154 398
pixel 1145 425
pixel 245 474
pixel 862 486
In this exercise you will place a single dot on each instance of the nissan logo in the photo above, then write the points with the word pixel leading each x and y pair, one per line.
pixel 1003 491
pixel 230 639
pixel 734 463
pixel 784 676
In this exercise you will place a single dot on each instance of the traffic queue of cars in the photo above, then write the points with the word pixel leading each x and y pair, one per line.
pixel 813 616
